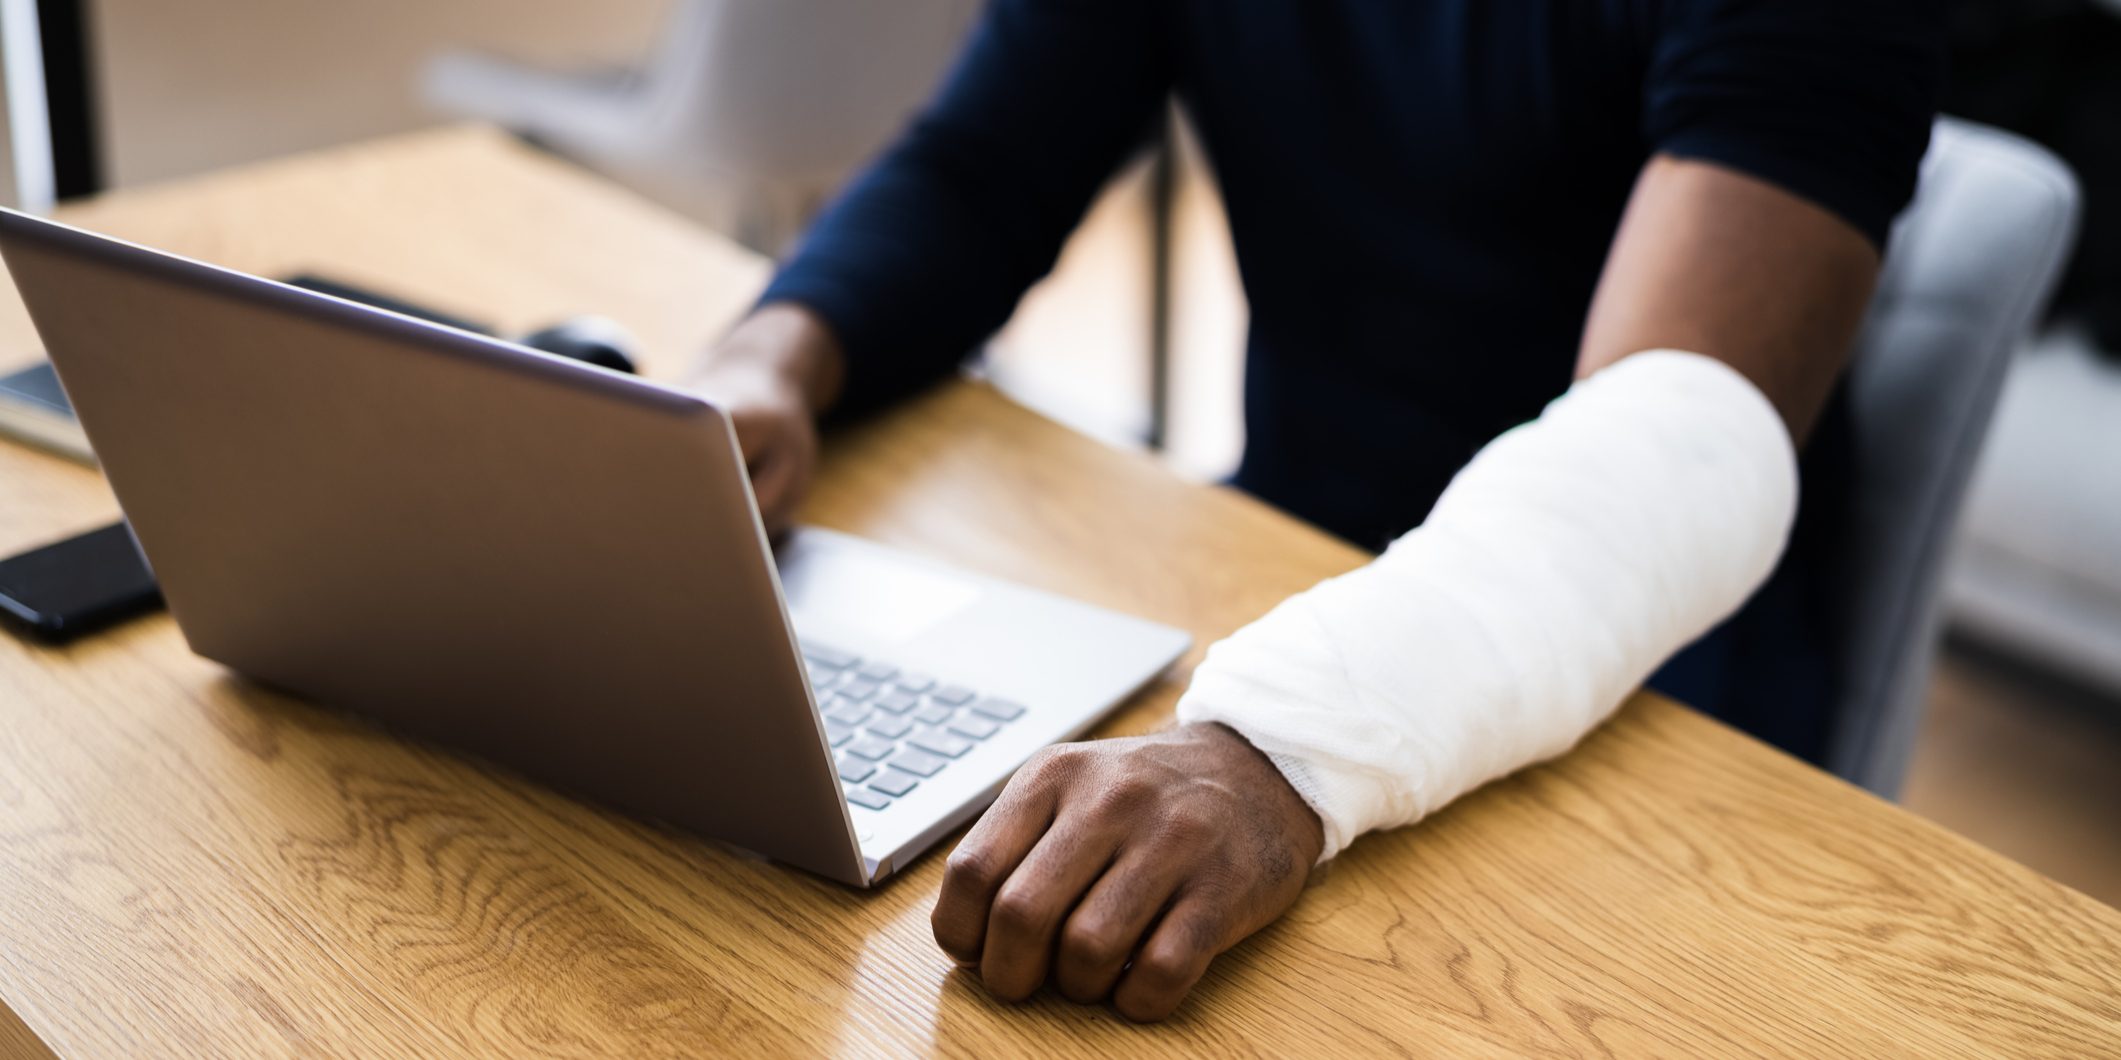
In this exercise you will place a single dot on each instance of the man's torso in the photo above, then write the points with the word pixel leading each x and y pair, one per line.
pixel 1421 195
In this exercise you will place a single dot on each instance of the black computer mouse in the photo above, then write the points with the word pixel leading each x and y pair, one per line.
pixel 592 340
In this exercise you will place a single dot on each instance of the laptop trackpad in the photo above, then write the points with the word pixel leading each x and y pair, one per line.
pixel 855 593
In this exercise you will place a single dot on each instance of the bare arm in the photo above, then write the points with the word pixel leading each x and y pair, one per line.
pixel 1718 263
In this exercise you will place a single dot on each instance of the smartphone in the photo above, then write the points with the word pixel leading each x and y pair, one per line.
pixel 79 585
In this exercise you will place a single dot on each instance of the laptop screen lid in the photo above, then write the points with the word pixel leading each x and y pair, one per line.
pixel 551 565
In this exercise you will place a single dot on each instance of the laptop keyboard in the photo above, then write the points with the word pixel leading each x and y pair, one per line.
pixel 892 729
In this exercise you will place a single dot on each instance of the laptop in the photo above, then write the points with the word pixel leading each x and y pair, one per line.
pixel 553 566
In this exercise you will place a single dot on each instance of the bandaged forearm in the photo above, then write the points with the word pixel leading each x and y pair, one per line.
pixel 1562 566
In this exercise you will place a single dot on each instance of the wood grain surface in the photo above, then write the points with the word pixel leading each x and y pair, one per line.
pixel 193 866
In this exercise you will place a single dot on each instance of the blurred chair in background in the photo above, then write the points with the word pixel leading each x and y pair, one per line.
pixel 2039 571
pixel 26 178
pixel 1971 265
pixel 748 115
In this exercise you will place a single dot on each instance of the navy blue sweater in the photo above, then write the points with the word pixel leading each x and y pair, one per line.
pixel 1422 193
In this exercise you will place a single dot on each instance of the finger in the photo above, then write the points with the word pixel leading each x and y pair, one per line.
pixel 983 861
pixel 1107 927
pixel 1175 957
pixel 772 486
pixel 778 479
pixel 1029 909
pixel 755 437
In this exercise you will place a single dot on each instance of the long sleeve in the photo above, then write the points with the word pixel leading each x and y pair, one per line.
pixel 927 252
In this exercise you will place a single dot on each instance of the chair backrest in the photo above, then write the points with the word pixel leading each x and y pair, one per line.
pixel 796 90
pixel 1970 265
pixel 749 112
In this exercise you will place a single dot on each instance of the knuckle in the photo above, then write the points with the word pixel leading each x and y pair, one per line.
pixel 1179 957
pixel 1125 795
pixel 969 868
pixel 1092 942
pixel 1055 764
pixel 1186 825
pixel 1019 912
pixel 1041 764
pixel 1163 967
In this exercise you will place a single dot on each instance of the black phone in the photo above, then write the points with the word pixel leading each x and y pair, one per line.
pixel 78 585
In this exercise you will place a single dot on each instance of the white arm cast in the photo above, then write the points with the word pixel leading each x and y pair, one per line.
pixel 1566 562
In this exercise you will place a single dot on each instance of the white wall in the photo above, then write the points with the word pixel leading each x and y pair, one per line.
pixel 192 85
pixel 21 87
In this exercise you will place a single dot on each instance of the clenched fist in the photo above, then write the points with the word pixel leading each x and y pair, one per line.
pixel 1119 868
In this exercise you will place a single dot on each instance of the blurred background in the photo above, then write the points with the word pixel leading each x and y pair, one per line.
pixel 715 108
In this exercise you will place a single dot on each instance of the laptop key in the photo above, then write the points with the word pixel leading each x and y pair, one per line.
pixel 828 658
pixel 871 748
pixel 934 714
pixel 999 709
pixel 897 702
pixel 850 714
pixel 955 695
pixel 838 734
pixel 857 689
pixel 915 684
pixel 919 763
pixel 867 799
pixel 974 727
pixel 941 743
pixel 854 770
pixel 877 671
pixel 894 783
pixel 890 728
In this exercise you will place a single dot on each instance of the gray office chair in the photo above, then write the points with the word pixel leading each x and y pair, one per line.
pixel 747 116
pixel 1970 265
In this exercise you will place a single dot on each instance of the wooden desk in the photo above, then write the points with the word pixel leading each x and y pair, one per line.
pixel 189 865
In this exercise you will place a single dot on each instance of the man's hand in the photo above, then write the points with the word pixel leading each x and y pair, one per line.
pixel 1122 867
pixel 773 374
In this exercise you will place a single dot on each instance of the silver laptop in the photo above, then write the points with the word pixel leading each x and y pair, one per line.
pixel 554 566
